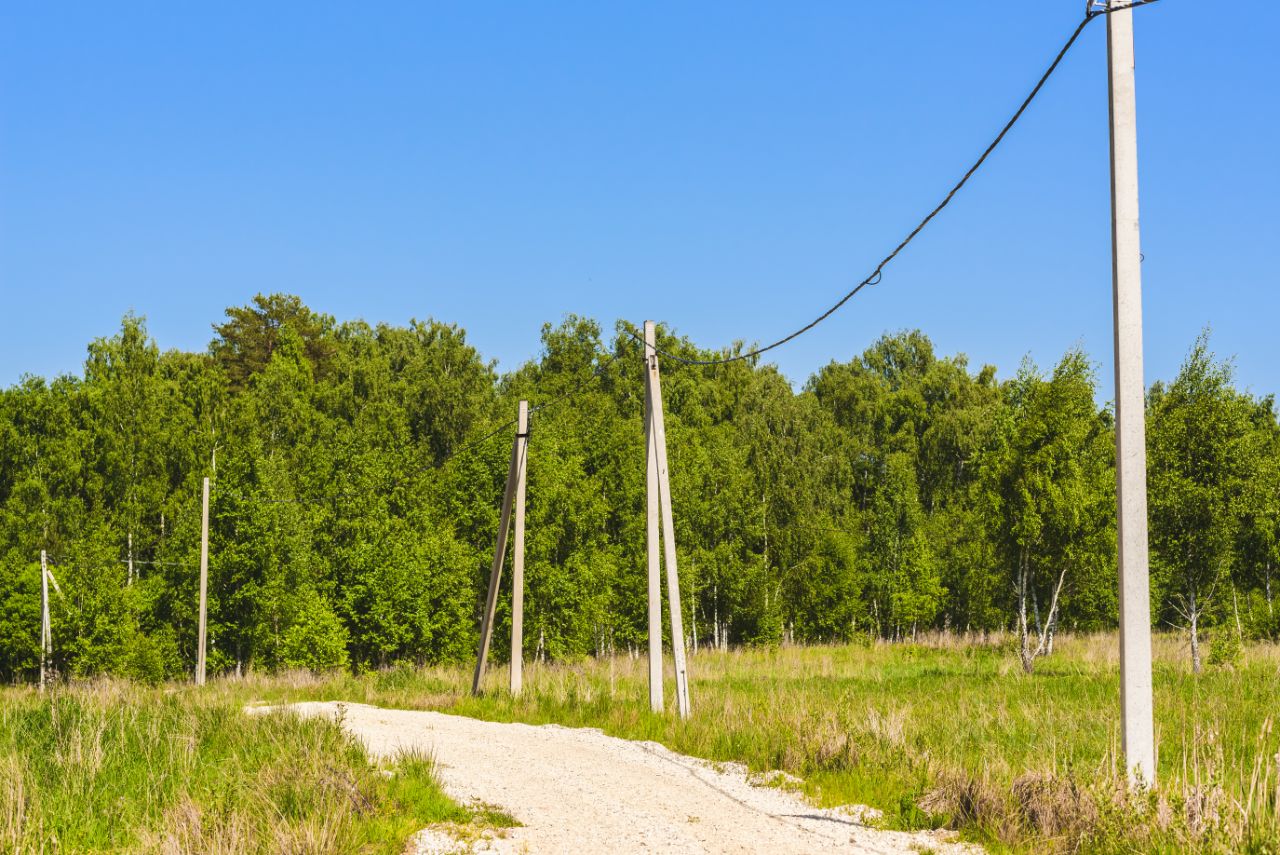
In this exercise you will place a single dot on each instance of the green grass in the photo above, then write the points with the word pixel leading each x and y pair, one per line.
pixel 937 733
pixel 112 767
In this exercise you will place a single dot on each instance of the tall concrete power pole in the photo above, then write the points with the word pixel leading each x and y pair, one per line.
pixel 512 498
pixel 517 551
pixel 46 627
pixel 204 584
pixel 652 536
pixel 1131 447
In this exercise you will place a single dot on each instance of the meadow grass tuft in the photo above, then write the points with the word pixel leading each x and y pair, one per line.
pixel 114 767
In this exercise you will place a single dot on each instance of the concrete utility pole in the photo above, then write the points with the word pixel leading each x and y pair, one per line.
pixel 517 553
pixel 658 446
pixel 660 522
pixel 1131 449
pixel 204 584
pixel 514 473
pixel 651 529
pixel 46 627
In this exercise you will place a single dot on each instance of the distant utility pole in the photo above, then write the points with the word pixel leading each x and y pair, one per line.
pixel 204 584
pixel 517 552
pixel 513 491
pixel 652 537
pixel 46 628
pixel 661 526
pixel 1131 450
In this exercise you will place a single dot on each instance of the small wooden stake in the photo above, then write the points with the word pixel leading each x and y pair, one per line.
pixel 46 628
pixel 204 584
pixel 517 555
pixel 652 534
pixel 495 572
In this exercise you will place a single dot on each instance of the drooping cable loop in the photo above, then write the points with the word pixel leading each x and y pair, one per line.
pixel 876 274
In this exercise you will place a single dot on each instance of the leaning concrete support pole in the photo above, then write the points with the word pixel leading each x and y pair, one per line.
pixel 495 571
pixel 652 534
pixel 658 443
pixel 1131 454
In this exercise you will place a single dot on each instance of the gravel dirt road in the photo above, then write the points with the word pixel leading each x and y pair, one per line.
pixel 579 791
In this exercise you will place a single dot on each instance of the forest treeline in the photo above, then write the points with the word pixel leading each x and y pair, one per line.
pixel 355 497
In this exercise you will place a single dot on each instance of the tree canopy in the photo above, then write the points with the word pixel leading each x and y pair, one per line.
pixel 357 478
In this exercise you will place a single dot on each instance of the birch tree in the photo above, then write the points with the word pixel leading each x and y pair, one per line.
pixel 1200 458
pixel 1050 489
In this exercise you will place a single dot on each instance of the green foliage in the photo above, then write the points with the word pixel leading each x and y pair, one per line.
pixel 316 639
pixel 1050 486
pixel 1225 648
pixel 152 659
pixel 1210 484
pixel 246 343
pixel 896 493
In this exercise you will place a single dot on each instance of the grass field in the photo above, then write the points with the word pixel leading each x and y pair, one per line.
pixel 942 732
pixel 112 767
pixel 937 733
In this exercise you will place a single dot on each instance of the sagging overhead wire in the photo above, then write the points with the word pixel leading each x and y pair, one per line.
pixel 1092 11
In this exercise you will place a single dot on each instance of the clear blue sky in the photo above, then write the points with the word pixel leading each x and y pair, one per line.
pixel 729 168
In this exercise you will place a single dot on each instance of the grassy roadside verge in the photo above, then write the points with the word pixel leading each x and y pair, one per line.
pixel 115 767
pixel 941 733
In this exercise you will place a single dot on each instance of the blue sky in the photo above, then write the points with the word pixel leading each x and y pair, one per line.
pixel 730 168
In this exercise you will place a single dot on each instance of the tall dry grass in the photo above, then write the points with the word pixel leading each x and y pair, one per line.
pixel 113 767
pixel 946 731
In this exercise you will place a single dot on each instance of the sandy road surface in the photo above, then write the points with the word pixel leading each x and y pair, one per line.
pixel 579 791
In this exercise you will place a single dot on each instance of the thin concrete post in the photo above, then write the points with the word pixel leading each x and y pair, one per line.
pixel 658 448
pixel 1131 457
pixel 204 584
pixel 495 571
pixel 46 627
pixel 517 554
pixel 652 534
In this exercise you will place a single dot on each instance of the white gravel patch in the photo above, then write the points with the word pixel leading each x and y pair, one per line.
pixel 579 791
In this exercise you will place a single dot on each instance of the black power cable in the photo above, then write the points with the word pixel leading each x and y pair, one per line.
pixel 876 274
